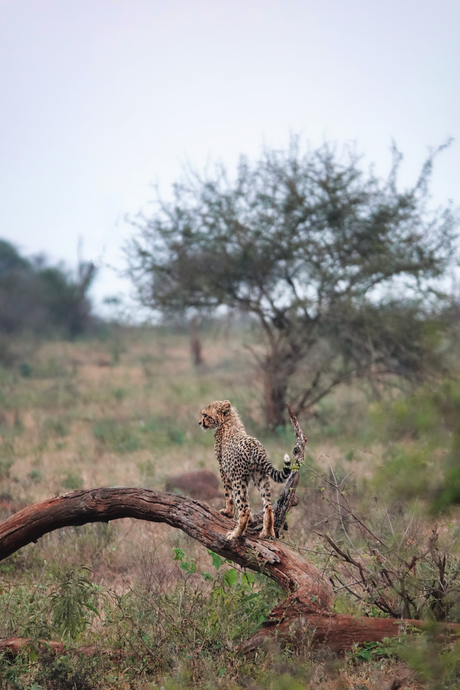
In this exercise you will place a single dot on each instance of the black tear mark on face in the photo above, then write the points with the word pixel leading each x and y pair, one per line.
pixel 203 421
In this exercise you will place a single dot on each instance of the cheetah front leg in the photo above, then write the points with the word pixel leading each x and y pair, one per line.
pixel 264 488
pixel 229 509
pixel 240 491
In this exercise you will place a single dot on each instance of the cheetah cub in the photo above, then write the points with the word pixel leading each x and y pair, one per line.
pixel 241 458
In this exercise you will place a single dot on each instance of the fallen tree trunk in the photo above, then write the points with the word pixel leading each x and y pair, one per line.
pixel 337 632
pixel 306 613
pixel 308 608
pixel 12 646
pixel 198 520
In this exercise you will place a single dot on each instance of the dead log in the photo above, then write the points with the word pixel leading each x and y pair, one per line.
pixel 198 520
pixel 12 646
pixel 307 611
pixel 336 632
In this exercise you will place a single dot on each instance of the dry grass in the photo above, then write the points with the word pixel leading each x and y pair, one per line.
pixel 125 412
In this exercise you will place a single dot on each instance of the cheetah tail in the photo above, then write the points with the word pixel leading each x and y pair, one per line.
pixel 280 476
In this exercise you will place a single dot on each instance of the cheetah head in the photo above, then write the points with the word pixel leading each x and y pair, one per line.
pixel 214 414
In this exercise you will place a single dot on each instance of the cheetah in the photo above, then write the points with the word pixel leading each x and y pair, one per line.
pixel 241 458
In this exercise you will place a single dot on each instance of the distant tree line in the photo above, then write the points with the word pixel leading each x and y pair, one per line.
pixel 341 270
pixel 41 299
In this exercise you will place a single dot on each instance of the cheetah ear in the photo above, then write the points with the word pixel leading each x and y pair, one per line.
pixel 226 405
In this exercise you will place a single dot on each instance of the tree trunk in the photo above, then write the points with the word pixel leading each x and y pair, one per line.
pixel 306 611
pixel 199 520
pixel 195 343
pixel 275 395
pixel 291 622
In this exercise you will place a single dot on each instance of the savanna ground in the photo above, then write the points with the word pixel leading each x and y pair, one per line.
pixel 157 608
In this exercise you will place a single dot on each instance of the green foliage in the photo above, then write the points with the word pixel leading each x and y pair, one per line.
pixel 42 299
pixel 120 437
pixel 434 662
pixel 68 673
pixel 5 465
pixel 73 603
pixel 119 394
pixel 427 466
pixel 335 265
pixel 370 651
pixel 238 603
pixel 429 414
pixel 72 481
pixel 25 370
pixel 409 472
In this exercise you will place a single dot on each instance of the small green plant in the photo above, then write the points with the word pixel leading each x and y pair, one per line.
pixel 186 564
pixel 72 481
pixel 147 472
pixel 73 603
pixel 120 437
pixel 35 476
pixel 370 651
pixel 239 601
pixel 119 394
pixel 25 370
pixel 5 465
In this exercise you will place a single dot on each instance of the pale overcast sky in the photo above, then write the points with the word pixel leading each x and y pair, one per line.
pixel 100 99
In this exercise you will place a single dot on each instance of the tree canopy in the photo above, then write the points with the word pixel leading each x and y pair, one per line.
pixel 42 299
pixel 340 268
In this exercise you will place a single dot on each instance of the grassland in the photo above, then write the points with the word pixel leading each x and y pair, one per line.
pixel 123 411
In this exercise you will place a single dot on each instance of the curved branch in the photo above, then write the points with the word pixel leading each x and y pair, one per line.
pixel 307 610
pixel 198 520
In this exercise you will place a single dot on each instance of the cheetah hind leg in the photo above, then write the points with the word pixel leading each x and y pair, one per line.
pixel 267 530
pixel 263 486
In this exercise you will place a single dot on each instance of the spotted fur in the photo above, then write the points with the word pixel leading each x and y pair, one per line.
pixel 241 458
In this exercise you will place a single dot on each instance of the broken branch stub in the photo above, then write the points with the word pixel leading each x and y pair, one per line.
pixel 287 496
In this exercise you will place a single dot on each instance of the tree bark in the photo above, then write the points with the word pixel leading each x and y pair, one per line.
pixel 198 520
pixel 306 611
pixel 195 343
pixel 275 386
pixel 292 622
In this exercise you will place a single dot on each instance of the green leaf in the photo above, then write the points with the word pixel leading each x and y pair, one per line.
pixel 216 559
pixel 230 577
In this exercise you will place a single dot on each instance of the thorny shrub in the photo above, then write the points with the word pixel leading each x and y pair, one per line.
pixel 385 559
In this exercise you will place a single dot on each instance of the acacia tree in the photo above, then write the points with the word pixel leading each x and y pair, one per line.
pixel 338 267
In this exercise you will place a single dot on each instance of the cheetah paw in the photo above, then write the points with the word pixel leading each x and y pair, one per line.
pixel 232 535
pixel 267 535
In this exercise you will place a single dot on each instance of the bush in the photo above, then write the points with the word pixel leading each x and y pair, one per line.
pixel 430 467
pixel 44 300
